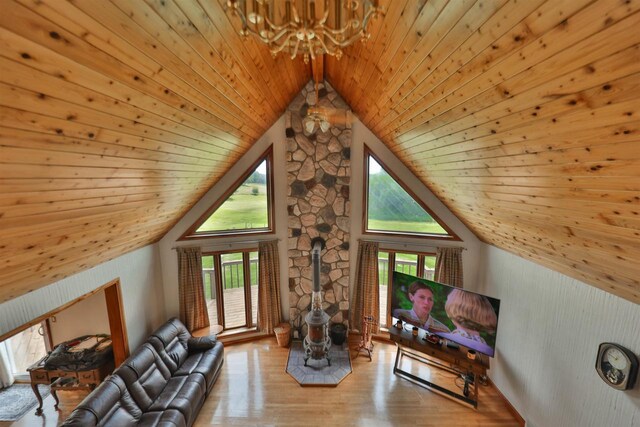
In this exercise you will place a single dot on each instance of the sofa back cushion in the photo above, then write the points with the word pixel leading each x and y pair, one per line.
pixel 145 375
pixel 109 404
pixel 170 342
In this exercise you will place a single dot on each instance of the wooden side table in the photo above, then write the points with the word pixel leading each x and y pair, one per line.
pixel 58 379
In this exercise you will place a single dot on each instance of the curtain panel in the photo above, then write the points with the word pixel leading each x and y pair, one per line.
pixel 193 306
pixel 449 266
pixel 366 294
pixel 269 313
pixel 6 364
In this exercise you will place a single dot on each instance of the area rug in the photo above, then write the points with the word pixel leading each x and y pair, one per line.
pixel 17 400
pixel 318 373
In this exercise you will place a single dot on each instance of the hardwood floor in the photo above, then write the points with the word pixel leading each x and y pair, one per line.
pixel 254 390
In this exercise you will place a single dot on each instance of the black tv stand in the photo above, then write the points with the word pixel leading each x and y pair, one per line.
pixel 441 357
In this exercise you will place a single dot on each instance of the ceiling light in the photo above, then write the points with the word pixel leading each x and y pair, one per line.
pixel 315 120
pixel 302 26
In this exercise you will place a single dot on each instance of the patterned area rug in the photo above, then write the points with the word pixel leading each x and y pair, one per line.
pixel 319 373
pixel 17 400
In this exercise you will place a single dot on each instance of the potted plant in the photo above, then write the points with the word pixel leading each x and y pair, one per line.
pixel 338 333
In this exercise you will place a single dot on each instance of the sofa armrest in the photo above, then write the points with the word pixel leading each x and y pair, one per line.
pixel 197 344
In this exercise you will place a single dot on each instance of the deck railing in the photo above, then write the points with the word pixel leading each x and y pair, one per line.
pixel 406 267
pixel 232 275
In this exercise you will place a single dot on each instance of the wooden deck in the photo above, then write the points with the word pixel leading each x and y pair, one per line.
pixel 28 347
pixel 234 309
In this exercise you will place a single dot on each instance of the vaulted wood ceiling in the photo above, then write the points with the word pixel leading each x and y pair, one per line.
pixel 522 116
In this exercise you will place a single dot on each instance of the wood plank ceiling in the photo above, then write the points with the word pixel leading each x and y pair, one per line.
pixel 522 116
pixel 116 117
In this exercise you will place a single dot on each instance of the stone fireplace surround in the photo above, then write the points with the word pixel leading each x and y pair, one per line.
pixel 318 205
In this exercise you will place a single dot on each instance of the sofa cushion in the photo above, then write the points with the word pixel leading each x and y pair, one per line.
pixel 145 375
pixel 196 344
pixel 109 404
pixel 170 342
pixel 168 418
pixel 185 394
pixel 206 363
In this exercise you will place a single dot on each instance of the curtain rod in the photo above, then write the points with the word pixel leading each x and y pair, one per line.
pixel 405 244
pixel 241 242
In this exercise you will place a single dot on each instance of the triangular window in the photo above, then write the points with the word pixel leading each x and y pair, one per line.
pixel 391 208
pixel 245 209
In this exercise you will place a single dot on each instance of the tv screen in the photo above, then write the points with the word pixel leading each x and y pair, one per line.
pixel 464 317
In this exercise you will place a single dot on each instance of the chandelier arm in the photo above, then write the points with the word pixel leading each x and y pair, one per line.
pixel 268 40
pixel 374 11
pixel 344 43
pixel 295 49
pixel 327 50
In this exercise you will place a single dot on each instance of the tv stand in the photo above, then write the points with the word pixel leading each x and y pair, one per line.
pixel 442 357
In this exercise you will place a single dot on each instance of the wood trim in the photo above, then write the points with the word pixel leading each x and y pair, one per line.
pixel 55 311
pixel 219 295
pixel 512 410
pixel 365 194
pixel 117 323
pixel 115 312
pixel 246 273
pixel 191 231
pixel 317 69
pixel 391 262
pixel 48 339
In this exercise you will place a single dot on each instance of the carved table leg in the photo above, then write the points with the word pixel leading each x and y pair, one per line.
pixel 55 396
pixel 34 387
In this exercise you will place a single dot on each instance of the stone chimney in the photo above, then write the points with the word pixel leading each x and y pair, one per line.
pixel 318 177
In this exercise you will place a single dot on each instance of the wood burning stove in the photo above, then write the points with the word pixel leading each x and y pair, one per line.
pixel 317 342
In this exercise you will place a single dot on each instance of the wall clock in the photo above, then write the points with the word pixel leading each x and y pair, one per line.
pixel 617 366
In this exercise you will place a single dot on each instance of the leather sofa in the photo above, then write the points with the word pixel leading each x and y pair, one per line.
pixel 163 383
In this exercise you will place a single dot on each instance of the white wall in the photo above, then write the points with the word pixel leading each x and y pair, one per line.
pixel 86 317
pixel 274 136
pixel 140 280
pixel 549 329
pixel 361 136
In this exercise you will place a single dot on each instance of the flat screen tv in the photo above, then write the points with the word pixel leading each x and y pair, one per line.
pixel 464 317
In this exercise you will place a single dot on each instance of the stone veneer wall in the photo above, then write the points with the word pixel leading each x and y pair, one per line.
pixel 318 177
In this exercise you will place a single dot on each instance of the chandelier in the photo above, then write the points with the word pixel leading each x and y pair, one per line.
pixel 305 27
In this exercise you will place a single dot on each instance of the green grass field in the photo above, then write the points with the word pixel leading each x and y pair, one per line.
pixel 243 210
pixel 406 226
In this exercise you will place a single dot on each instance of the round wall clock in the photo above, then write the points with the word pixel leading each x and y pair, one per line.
pixel 617 366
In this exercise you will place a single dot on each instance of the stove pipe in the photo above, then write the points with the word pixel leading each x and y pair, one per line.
pixel 317 342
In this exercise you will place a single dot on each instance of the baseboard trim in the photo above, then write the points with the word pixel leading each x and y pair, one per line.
pixel 243 337
pixel 512 410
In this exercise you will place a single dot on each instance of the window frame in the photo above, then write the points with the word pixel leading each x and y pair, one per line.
pixel 420 262
pixel 451 236
pixel 246 270
pixel 192 232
